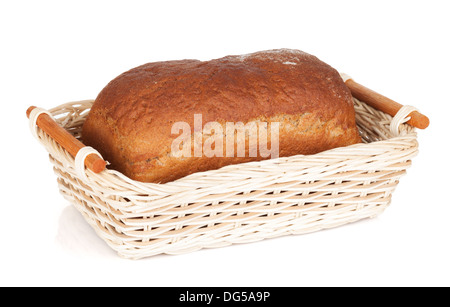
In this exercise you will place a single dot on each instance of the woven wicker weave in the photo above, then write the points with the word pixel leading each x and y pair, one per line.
pixel 238 203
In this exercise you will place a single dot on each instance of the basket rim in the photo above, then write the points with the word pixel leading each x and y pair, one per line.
pixel 376 148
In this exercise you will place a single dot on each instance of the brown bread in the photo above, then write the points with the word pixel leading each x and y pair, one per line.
pixel 131 121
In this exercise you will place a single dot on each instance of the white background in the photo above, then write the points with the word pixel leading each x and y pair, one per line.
pixel 58 51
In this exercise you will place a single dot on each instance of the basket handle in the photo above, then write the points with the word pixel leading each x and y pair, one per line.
pixel 384 104
pixel 67 140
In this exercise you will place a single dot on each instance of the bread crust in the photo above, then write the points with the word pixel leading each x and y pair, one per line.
pixel 131 119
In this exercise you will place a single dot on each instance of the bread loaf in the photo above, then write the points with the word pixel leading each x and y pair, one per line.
pixel 164 120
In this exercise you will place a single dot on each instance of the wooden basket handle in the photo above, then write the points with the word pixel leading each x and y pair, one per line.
pixel 384 104
pixel 67 141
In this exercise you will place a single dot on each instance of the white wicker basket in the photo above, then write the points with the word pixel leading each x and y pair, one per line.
pixel 238 203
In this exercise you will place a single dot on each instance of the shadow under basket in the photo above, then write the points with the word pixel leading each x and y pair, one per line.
pixel 237 203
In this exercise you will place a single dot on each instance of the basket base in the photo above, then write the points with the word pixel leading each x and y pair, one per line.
pixel 222 235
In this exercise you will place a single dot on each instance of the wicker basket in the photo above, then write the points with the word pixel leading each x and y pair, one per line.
pixel 237 203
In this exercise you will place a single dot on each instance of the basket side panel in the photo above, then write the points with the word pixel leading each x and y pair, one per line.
pixel 240 217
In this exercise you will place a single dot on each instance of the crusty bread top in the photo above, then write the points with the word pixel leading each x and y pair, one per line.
pixel 139 107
